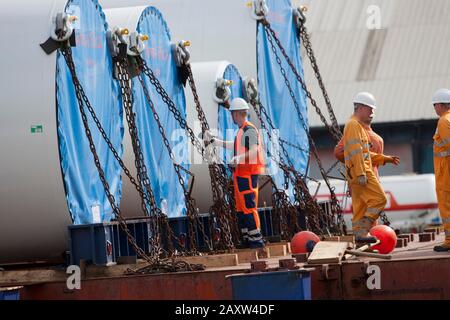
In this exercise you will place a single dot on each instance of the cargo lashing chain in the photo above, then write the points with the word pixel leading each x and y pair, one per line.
pixel 222 207
pixel 223 197
pixel 153 259
pixel 300 20
pixel 83 100
pixel 190 202
pixel 282 206
pixel 172 108
pixel 297 179
pixel 271 36
pixel 125 86
pixel 124 52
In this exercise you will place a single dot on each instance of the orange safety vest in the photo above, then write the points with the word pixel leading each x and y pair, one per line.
pixel 251 166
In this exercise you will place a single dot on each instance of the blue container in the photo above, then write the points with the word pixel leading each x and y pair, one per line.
pixel 11 293
pixel 180 228
pixel 102 243
pixel 277 285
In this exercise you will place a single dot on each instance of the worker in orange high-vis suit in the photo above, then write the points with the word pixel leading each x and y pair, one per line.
pixel 368 198
pixel 441 150
pixel 248 163
pixel 376 150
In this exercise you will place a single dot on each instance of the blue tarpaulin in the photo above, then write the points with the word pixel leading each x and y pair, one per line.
pixel 274 94
pixel 159 57
pixel 226 127
pixel 85 194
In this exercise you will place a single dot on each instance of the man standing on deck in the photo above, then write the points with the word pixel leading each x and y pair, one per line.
pixel 248 163
pixel 368 198
pixel 441 150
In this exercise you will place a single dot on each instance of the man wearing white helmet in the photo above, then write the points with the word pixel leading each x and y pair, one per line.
pixel 441 150
pixel 368 198
pixel 248 163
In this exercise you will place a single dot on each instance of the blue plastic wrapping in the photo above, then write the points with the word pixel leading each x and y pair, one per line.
pixel 226 127
pixel 85 194
pixel 274 94
pixel 159 57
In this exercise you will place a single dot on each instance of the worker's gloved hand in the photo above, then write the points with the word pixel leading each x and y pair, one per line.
pixel 208 136
pixel 234 161
pixel 392 159
pixel 362 180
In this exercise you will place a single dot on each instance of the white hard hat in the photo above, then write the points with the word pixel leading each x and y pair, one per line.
pixel 238 104
pixel 366 99
pixel 441 96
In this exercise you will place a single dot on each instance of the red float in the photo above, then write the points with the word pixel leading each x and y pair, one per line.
pixel 303 242
pixel 387 237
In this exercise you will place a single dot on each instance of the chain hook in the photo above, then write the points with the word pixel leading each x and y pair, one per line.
pixel 222 92
pixel 259 9
pixel 62 27
pixel 299 17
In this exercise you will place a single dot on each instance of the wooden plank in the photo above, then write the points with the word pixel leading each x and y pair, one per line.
pixel 247 256
pixel 25 277
pixel 349 238
pixel 332 238
pixel 263 253
pixel 327 252
pixel 214 261
pixel 277 250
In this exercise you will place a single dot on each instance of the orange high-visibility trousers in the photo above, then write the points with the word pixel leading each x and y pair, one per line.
pixel 369 200
pixel 246 197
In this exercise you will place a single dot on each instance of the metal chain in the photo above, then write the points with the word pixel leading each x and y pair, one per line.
pixel 306 41
pixel 281 204
pixel 384 218
pixel 83 100
pixel 171 105
pixel 222 197
pixel 300 189
pixel 271 36
pixel 155 251
pixel 190 202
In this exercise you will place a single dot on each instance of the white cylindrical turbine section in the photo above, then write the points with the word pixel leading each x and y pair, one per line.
pixel 33 209
pixel 205 76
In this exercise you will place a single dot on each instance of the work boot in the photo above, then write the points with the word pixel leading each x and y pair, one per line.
pixel 361 230
pixel 443 247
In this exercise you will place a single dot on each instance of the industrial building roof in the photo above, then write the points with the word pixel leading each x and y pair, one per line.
pixel 402 63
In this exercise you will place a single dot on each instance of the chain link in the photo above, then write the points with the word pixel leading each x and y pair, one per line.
pixel 83 100
pixel 305 39
pixel 154 263
pixel 301 191
pixel 271 36
pixel 223 201
pixel 190 202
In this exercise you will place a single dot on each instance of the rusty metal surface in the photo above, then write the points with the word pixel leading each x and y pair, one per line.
pixel 400 279
pixel 182 286
pixel 415 272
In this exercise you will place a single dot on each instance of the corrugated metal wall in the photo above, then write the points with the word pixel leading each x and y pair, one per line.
pixel 402 63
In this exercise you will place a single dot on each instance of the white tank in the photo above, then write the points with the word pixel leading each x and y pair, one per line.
pixel 34 214
pixel 33 209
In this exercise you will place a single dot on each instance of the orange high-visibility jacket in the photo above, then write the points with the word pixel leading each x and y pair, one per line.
pixel 251 166
pixel 356 150
pixel 441 151
pixel 376 149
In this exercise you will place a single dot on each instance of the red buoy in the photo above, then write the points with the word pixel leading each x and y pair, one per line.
pixel 387 237
pixel 303 242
